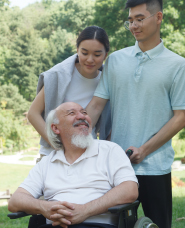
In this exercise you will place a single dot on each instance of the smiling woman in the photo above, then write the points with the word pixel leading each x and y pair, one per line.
pixel 73 80
pixel 91 54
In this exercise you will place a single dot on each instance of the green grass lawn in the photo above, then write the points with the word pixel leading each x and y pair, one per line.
pixel 178 193
pixel 12 175
pixel 5 222
pixel 178 207
pixel 178 212
pixel 179 174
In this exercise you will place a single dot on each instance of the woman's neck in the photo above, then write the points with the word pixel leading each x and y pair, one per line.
pixel 86 75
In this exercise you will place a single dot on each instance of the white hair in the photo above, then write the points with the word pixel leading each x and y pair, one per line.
pixel 53 138
pixel 82 141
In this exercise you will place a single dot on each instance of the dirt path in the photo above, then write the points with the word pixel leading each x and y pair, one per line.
pixel 15 159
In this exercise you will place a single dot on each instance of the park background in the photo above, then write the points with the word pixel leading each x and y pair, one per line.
pixel 42 34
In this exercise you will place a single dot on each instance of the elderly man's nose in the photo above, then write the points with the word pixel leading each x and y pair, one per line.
pixel 80 116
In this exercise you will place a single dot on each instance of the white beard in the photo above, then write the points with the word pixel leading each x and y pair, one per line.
pixel 82 141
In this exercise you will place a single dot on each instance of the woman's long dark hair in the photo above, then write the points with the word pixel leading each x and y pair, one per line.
pixel 94 33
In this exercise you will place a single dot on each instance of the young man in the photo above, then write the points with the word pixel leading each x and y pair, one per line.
pixel 145 84
pixel 80 179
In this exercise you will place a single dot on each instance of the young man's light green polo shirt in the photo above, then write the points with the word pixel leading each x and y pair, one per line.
pixel 144 89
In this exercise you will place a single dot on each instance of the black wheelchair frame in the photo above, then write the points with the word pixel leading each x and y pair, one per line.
pixel 127 214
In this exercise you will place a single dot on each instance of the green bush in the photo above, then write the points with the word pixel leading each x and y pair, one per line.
pixel 13 131
pixel 182 134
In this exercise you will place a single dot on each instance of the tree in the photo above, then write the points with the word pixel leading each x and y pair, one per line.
pixel 13 133
pixel 4 3
pixel 75 16
pixel 4 53
pixel 46 22
pixel 113 22
pixel 11 99
pixel 24 64
pixel 173 28
pixel 62 45
pixel 47 3
pixel 182 134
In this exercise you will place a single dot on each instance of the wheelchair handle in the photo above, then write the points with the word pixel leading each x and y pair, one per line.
pixel 129 153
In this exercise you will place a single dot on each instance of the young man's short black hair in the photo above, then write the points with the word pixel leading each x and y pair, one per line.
pixel 152 5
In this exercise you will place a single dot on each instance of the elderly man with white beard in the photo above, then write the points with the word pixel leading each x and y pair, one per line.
pixel 80 179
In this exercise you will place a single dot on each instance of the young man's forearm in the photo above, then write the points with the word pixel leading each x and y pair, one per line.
pixel 95 108
pixel 171 128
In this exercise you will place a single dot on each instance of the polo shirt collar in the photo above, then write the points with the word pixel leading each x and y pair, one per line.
pixel 151 53
pixel 58 155
pixel 90 152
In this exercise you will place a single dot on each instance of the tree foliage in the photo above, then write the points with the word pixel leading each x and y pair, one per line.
pixel 173 27
pixel 36 43
pixel 11 99
pixel 75 16
pixel 182 134
pixel 34 39
pixel 24 63
pixel 3 4
pixel 43 34
pixel 112 21
pixel 13 132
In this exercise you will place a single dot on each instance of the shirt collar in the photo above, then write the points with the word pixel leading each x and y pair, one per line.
pixel 90 152
pixel 151 53
pixel 58 155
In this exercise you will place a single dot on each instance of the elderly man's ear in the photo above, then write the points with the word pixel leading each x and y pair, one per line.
pixel 55 129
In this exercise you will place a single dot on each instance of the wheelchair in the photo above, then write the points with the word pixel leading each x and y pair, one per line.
pixel 127 217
